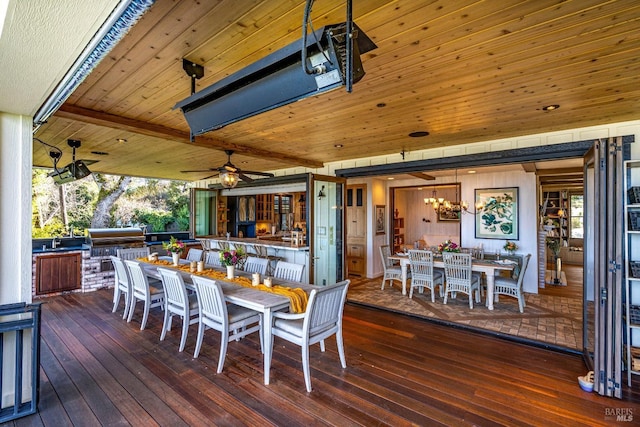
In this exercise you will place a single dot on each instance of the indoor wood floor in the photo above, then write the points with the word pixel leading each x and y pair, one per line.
pixel 96 369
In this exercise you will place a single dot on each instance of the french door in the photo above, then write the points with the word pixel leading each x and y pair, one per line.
pixel 603 305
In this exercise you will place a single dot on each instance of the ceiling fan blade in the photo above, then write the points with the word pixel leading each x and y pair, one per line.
pixel 244 177
pixel 230 168
pixel 267 174
pixel 202 170
pixel 89 162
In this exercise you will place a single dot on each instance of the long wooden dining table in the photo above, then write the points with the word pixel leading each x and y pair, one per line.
pixel 264 302
pixel 488 267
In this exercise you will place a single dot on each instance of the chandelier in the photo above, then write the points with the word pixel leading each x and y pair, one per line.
pixel 436 201
pixel 229 179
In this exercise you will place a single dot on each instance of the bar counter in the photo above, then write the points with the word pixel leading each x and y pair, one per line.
pixel 249 241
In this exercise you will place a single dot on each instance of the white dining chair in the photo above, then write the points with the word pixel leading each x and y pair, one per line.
pixel 423 275
pixel 212 258
pixel 256 265
pixel 391 271
pixel 133 253
pixel 322 319
pixel 177 303
pixel 233 322
pixel 194 254
pixel 288 271
pixel 122 286
pixel 142 290
pixel 458 276
pixel 512 286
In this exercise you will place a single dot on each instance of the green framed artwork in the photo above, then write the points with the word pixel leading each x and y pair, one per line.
pixel 498 216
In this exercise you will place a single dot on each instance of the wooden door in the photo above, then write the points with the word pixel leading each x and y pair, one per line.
pixel 356 229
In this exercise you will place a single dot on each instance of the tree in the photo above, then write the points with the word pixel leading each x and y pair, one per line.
pixel 111 188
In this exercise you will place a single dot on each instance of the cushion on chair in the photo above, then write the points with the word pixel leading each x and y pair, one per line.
pixel 154 291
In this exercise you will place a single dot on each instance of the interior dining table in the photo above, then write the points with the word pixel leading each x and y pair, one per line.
pixel 252 298
pixel 488 267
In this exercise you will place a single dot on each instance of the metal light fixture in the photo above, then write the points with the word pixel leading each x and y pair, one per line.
pixel 321 194
pixel 229 179
pixel 435 201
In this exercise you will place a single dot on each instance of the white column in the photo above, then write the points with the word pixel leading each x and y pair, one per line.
pixel 15 208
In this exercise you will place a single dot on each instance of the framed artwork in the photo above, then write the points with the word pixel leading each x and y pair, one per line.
pixel 380 221
pixel 498 217
pixel 449 214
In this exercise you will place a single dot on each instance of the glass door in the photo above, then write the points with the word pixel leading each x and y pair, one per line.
pixel 326 229
pixel 203 212
pixel 603 259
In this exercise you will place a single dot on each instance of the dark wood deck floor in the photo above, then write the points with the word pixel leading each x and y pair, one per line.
pixel 98 370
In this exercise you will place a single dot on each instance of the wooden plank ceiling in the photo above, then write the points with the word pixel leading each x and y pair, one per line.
pixel 464 71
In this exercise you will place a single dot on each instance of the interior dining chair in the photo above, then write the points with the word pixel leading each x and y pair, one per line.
pixel 322 319
pixel 133 253
pixel 142 290
pixel 423 275
pixel 512 286
pixel 256 265
pixel 233 322
pixel 122 286
pixel 391 271
pixel 212 258
pixel 177 303
pixel 288 271
pixel 458 276
pixel 194 254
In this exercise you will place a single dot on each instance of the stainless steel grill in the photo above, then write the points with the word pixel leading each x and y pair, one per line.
pixel 106 241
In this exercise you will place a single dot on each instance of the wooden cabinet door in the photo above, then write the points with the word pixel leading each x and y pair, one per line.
pixel 57 273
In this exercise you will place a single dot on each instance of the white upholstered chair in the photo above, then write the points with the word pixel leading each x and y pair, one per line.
pixel 122 286
pixel 391 271
pixel 133 253
pixel 142 290
pixel 194 254
pixel 177 303
pixel 256 265
pixel 512 286
pixel 423 275
pixel 212 258
pixel 457 271
pixel 288 271
pixel 322 319
pixel 216 314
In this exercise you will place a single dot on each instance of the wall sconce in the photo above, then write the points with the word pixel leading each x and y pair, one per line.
pixel 321 194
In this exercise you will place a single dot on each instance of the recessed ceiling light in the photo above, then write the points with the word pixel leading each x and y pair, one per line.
pixel 471 172
pixel 338 145
pixel 121 140
pixel 381 104
pixel 419 134
pixel 550 107
pixel 100 153
pixel 391 178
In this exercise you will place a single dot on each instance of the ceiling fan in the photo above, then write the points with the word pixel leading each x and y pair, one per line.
pixel 229 173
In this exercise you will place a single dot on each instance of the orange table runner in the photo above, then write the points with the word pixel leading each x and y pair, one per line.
pixel 298 298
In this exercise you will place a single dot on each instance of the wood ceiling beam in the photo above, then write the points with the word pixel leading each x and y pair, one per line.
pixel 529 167
pixel 99 118
pixel 560 171
pixel 422 176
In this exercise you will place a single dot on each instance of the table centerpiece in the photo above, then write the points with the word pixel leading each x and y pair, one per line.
pixel 230 258
pixel 175 247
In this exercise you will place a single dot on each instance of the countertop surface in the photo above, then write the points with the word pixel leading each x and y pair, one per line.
pixel 258 241
pixel 60 249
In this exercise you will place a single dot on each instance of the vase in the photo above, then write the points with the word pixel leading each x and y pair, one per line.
pixel 176 258
pixel 231 270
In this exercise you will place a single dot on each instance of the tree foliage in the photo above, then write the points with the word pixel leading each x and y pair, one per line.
pixel 119 201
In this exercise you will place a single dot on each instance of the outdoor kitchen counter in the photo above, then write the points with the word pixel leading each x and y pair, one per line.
pixel 266 242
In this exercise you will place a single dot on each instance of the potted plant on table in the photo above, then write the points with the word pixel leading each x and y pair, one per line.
pixel 230 258
pixel 175 247
pixel 510 247
pixel 448 246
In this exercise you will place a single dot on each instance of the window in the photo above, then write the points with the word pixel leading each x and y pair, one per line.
pixel 576 213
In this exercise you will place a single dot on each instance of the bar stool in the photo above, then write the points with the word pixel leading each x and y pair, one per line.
pixel 263 252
